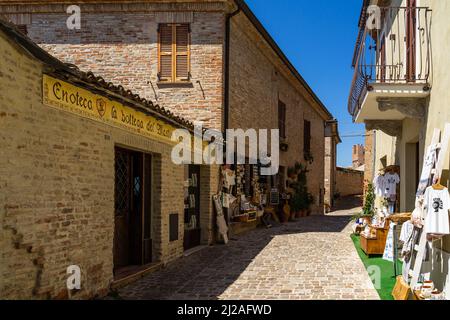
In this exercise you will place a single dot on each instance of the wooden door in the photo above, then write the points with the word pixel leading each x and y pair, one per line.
pixel 132 219
pixel 192 231
pixel 122 207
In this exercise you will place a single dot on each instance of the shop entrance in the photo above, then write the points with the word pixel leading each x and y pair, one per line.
pixel 192 230
pixel 132 220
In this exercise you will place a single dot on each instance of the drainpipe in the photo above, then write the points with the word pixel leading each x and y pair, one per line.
pixel 227 70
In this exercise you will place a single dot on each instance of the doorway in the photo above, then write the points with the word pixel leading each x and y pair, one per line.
pixel 132 219
pixel 192 231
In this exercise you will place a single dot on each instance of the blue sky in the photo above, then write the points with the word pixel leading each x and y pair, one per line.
pixel 318 37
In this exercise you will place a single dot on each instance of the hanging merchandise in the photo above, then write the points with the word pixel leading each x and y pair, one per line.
pixel 419 214
pixel 379 184
pixel 229 178
pixel 406 236
pixel 389 248
pixel 221 223
pixel 430 160
pixel 390 185
pixel 437 204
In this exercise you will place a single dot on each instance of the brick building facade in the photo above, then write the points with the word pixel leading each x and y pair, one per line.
pixel 243 92
pixel 358 156
pixel 236 77
pixel 60 185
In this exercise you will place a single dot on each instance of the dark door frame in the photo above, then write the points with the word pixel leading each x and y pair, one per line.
pixel 133 211
pixel 192 237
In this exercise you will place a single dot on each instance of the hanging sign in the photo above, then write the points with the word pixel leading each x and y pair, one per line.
pixel 65 96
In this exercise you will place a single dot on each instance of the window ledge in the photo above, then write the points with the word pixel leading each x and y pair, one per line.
pixel 178 84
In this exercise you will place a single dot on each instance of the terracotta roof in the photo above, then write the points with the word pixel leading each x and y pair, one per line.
pixel 89 80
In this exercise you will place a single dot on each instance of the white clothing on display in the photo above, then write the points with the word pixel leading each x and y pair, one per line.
pixel 391 181
pixel 405 233
pixel 428 165
pixel 437 203
pixel 389 248
pixel 378 184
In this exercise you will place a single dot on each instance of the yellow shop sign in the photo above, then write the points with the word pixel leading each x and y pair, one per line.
pixel 62 95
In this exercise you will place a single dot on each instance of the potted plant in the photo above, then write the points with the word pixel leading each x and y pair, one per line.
pixel 296 204
pixel 291 172
pixel 368 210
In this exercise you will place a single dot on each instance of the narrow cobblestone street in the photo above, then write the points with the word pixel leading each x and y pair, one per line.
pixel 313 258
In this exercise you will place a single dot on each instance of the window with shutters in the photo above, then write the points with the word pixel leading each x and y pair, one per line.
pixel 174 52
pixel 282 119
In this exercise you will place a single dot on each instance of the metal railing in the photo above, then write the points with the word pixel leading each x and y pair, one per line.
pixel 398 52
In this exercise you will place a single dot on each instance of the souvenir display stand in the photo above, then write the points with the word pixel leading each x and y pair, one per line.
pixel 242 196
pixel 374 242
pixel 429 222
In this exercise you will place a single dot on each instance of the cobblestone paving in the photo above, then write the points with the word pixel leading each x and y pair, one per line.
pixel 313 258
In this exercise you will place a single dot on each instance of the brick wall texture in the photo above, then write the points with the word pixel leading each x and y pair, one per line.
pixel 122 47
pixel 57 170
pixel 57 190
pixel 257 83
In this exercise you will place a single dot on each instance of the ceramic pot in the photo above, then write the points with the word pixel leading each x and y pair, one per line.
pixel 429 284
pixel 426 291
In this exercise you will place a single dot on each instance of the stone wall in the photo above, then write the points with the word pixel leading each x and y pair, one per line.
pixel 349 182
pixel 258 81
pixel 57 190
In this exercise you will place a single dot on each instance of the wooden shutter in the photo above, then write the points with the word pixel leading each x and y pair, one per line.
pixel 174 55
pixel 165 52
pixel 182 52
pixel 307 136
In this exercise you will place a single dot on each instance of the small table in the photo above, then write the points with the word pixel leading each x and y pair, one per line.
pixel 375 245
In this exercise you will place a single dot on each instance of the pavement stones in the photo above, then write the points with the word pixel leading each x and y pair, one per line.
pixel 313 258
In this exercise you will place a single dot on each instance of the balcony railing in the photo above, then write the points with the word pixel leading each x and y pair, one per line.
pixel 399 52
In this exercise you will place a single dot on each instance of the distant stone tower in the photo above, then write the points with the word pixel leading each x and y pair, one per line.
pixel 358 156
